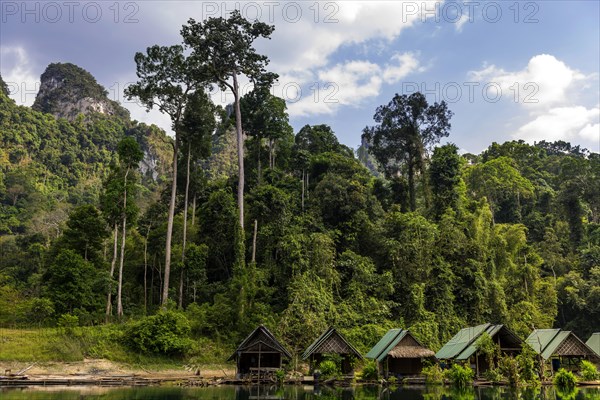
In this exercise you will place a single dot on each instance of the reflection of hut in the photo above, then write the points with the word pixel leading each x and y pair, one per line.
pixel 399 353
pixel 563 348
pixel 594 342
pixel 260 352
pixel 332 342
pixel 463 346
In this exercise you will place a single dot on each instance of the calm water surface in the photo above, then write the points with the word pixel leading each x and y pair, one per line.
pixel 293 393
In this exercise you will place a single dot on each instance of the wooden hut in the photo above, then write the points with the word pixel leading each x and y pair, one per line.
pixel 463 346
pixel 398 353
pixel 594 342
pixel 332 342
pixel 260 353
pixel 562 348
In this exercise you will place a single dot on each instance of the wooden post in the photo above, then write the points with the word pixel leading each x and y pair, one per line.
pixel 259 348
pixel 254 241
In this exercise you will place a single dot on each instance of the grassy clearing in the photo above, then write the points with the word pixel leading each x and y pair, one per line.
pixel 101 342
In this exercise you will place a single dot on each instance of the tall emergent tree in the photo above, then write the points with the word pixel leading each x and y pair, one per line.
pixel 130 156
pixel 224 48
pixel 405 128
pixel 167 77
pixel 199 123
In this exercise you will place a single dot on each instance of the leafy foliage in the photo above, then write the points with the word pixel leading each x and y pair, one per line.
pixel 166 333
pixel 564 379
pixel 460 376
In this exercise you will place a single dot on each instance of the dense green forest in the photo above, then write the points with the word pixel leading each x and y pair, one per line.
pixel 404 232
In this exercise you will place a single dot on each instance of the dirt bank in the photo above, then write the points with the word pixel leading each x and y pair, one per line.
pixel 94 368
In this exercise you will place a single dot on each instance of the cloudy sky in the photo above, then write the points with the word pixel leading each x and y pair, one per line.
pixel 509 70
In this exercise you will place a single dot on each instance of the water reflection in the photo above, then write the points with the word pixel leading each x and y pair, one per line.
pixel 299 393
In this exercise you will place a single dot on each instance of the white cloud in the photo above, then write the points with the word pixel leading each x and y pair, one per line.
pixel 544 83
pixel 461 22
pixel 550 91
pixel 307 38
pixel 407 63
pixel 577 124
pixel 17 73
pixel 351 83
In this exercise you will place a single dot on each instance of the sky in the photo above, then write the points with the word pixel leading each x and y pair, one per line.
pixel 508 70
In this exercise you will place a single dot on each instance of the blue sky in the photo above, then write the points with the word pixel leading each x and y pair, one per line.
pixel 509 70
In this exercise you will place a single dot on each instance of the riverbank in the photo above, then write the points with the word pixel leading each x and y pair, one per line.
pixel 102 372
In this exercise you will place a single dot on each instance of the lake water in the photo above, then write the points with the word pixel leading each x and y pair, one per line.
pixel 291 392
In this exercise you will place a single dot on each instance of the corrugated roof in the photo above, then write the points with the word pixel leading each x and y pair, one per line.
pixel 545 341
pixel 492 330
pixel 321 339
pixel 460 343
pixel 388 344
pixel 383 343
pixel 392 344
pixel 594 342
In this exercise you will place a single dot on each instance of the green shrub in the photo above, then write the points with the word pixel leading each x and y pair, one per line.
pixel 509 368
pixel 493 375
pixel 529 367
pixel 433 375
pixel 329 369
pixel 392 380
pixel 280 376
pixel 589 371
pixel 369 371
pixel 67 323
pixel 564 379
pixel 460 376
pixel 165 333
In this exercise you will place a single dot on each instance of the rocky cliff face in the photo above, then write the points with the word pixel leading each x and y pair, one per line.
pixel 67 90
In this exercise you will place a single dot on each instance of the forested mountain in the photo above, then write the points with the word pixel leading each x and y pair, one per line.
pixel 433 244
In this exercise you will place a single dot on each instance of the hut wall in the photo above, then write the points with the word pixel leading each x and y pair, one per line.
pixel 404 366
pixel 250 360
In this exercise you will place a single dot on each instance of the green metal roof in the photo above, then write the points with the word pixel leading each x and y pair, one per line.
pixel 594 342
pixel 546 341
pixel 460 344
pixel 326 335
pixel 384 343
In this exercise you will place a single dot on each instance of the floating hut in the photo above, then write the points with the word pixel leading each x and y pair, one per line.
pixel 563 348
pixel 332 342
pixel 594 342
pixel 398 353
pixel 259 354
pixel 463 346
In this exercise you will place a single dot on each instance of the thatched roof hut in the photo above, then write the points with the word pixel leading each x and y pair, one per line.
pixel 463 346
pixel 399 353
pixel 259 352
pixel 563 348
pixel 332 342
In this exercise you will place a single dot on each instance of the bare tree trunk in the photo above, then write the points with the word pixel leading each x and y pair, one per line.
pixel 240 151
pixel 165 289
pixel 122 258
pixel 271 157
pixel 194 211
pixel 258 163
pixel 185 212
pixel 112 272
pixel 303 180
pixel 254 241
pixel 146 270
